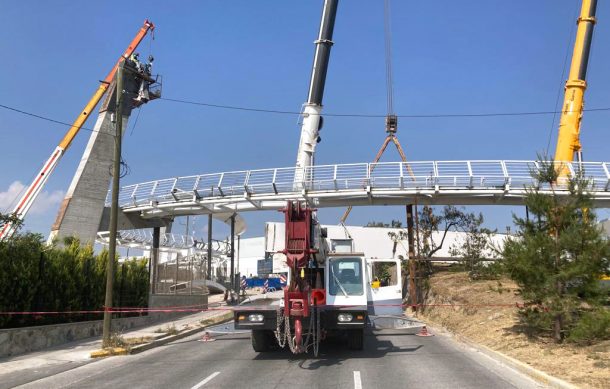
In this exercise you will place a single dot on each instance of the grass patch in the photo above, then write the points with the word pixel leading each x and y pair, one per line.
pixel 168 330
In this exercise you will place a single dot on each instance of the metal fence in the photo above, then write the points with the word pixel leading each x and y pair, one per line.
pixel 184 276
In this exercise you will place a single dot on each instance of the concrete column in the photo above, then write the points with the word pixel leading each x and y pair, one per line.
pixel 154 259
pixel 232 278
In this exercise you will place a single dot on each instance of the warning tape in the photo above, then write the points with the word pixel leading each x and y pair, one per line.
pixel 203 308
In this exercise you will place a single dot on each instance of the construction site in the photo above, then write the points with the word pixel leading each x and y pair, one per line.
pixel 445 223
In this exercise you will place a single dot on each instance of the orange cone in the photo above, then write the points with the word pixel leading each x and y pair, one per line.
pixel 424 332
pixel 206 337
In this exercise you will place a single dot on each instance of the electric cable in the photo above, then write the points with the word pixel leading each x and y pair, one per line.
pixel 340 115
pixel 356 115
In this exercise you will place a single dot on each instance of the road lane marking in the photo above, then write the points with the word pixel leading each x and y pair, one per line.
pixel 357 381
pixel 206 380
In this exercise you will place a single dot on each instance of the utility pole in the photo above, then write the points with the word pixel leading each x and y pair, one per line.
pixel 232 253
pixel 116 173
pixel 209 275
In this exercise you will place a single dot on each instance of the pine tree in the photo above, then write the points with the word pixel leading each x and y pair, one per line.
pixel 558 255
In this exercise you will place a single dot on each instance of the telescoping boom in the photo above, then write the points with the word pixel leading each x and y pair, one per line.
pixel 26 201
pixel 312 119
pixel 568 142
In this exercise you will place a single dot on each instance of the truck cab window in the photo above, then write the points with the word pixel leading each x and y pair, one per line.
pixel 345 277
pixel 384 273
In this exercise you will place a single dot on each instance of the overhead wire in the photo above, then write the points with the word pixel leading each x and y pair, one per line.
pixel 357 115
pixel 346 115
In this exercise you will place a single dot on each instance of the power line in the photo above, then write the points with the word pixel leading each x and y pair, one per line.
pixel 345 115
pixel 43 117
pixel 356 115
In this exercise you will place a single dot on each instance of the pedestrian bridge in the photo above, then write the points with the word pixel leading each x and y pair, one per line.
pixel 356 184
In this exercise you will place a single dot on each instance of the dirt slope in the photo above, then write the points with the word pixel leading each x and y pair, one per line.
pixel 494 327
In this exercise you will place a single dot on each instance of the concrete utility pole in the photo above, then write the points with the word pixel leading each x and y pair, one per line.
pixel 116 173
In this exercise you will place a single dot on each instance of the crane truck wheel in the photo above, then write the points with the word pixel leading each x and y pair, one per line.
pixel 355 339
pixel 261 340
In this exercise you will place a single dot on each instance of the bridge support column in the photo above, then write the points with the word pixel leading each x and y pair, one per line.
pixel 411 263
pixel 232 279
pixel 154 259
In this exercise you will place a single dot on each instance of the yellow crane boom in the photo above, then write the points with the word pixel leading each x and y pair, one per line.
pixel 568 141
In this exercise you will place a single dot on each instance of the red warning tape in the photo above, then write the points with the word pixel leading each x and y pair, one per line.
pixel 202 308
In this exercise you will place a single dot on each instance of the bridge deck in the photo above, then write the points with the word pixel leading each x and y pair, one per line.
pixel 386 183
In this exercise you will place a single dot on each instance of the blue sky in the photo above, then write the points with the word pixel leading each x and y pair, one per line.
pixel 449 57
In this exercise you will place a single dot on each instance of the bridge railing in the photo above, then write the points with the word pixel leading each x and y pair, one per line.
pixel 426 175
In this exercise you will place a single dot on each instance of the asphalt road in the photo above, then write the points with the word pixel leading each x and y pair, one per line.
pixel 391 359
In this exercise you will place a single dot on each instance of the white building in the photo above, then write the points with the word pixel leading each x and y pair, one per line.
pixel 374 242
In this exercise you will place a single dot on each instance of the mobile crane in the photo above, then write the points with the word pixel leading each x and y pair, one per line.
pixel 330 289
pixel 33 190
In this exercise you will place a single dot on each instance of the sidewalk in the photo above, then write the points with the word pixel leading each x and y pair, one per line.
pixel 79 352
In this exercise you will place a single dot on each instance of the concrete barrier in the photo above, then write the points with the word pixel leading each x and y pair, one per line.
pixel 15 341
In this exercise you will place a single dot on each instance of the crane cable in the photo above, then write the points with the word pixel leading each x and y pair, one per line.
pixel 561 85
pixel 391 118
pixel 388 56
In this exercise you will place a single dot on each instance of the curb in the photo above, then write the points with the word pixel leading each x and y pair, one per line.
pixel 160 342
pixel 162 339
pixel 522 367
pixel 107 352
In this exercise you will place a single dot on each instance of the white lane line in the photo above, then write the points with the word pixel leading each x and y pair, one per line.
pixel 205 381
pixel 357 381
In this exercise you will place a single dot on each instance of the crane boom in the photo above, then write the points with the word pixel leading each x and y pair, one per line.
pixel 568 141
pixel 312 119
pixel 26 201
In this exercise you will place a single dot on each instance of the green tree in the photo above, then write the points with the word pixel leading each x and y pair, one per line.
pixel 475 249
pixel 392 224
pixel 558 255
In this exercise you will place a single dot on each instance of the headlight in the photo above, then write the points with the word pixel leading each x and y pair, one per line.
pixel 256 317
pixel 344 317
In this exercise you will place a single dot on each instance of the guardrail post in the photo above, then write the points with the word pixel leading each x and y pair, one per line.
pixel 402 177
pixel 246 181
pixel 506 177
pixel 335 177
pixel 222 175
pixel 368 174
pixel 273 180
pixel 154 188
pixel 605 166
pixel 133 194
pixel 571 167
pixel 436 176
pixel 470 173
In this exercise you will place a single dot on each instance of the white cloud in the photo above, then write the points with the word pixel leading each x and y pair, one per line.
pixel 46 201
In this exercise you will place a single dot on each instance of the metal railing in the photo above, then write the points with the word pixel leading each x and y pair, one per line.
pixel 143 239
pixel 436 175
